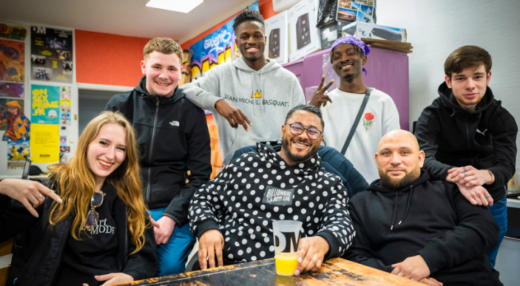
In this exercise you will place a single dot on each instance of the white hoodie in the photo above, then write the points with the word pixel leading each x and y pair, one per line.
pixel 264 96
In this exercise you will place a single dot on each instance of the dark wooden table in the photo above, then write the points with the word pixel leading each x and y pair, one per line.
pixel 335 271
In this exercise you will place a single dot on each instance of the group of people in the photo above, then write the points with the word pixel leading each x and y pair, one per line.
pixel 126 207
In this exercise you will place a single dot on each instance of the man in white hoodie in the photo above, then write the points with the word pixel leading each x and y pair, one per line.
pixel 251 85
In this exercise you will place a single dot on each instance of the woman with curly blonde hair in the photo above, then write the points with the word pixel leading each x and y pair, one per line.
pixel 97 230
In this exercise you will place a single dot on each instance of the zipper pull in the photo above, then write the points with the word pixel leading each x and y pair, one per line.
pixel 157 104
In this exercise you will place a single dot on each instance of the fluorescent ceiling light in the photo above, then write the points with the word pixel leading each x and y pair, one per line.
pixel 183 6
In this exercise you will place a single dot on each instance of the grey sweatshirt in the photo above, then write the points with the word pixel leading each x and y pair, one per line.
pixel 264 96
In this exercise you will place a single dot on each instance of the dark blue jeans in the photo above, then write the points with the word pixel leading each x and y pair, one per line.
pixel 499 212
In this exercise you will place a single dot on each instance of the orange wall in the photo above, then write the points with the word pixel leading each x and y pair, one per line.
pixel 114 60
pixel 266 9
pixel 108 59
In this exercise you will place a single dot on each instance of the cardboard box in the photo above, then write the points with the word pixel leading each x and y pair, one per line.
pixel 277 43
pixel 373 31
pixel 330 33
pixel 304 37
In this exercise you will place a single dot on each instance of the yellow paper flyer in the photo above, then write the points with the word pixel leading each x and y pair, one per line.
pixel 45 143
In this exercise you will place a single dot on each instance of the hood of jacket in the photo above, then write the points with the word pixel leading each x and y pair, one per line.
pixel 377 186
pixel 141 90
pixel 449 100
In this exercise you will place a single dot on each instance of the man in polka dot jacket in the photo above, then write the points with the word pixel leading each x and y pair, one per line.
pixel 232 215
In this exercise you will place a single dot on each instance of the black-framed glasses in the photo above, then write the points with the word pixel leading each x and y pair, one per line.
pixel 297 129
pixel 92 215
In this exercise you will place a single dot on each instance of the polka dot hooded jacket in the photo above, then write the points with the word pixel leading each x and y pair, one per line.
pixel 258 188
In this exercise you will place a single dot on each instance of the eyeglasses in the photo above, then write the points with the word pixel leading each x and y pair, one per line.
pixel 92 215
pixel 297 129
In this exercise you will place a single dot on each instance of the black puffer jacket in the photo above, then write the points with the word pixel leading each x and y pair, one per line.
pixel 173 138
pixel 429 218
pixel 453 137
pixel 38 250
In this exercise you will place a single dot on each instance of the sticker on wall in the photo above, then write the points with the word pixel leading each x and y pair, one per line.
pixel 12 32
pixel 45 143
pixel 12 119
pixel 63 141
pixel 12 61
pixel 64 154
pixel 11 90
pixel 65 111
pixel 16 154
pixel 64 157
pixel 51 58
pixel 65 92
pixel 45 104
pixel 64 131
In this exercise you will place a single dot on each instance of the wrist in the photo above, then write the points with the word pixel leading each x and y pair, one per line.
pixel 216 102
pixel 491 177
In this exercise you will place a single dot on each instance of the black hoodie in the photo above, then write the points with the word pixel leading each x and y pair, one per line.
pixel 429 218
pixel 173 138
pixel 454 137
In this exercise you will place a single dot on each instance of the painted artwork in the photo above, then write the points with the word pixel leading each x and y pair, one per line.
pixel 45 104
pixel 17 152
pixel 12 119
pixel 51 58
pixel 216 48
pixel 12 61
pixel 11 90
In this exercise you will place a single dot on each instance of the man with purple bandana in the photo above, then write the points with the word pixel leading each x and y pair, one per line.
pixel 348 56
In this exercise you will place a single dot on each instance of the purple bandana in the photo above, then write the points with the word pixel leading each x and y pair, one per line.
pixel 354 41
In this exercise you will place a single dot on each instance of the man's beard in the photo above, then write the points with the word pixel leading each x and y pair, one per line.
pixel 297 158
pixel 396 184
pixel 251 59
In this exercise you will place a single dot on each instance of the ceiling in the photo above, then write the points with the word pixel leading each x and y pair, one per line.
pixel 120 17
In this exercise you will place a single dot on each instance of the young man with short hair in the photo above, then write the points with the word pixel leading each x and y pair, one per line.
pixel 348 56
pixel 468 137
pixel 173 138
pixel 251 90
pixel 419 228
pixel 232 215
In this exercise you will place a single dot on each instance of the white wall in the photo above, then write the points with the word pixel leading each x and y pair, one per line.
pixel 436 28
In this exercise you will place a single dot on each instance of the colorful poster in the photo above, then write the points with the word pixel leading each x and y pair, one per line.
pixel 51 58
pixel 45 104
pixel 17 153
pixel 45 143
pixel 11 90
pixel 12 32
pixel 12 61
pixel 16 125
pixel 216 48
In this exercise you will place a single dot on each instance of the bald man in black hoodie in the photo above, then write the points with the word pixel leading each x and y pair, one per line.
pixel 419 228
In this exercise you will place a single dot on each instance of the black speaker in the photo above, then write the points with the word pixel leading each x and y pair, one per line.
pixel 274 43
pixel 303 35
pixel 386 34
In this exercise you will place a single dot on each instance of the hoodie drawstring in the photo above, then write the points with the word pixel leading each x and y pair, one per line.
pixel 395 207
pixel 408 201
